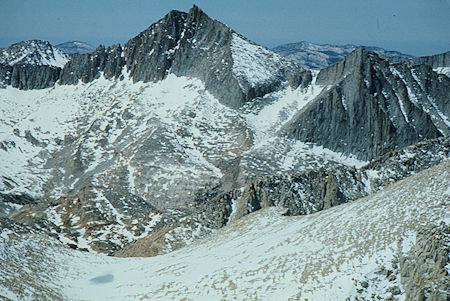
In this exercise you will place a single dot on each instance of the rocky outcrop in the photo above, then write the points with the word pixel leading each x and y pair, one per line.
pixel 87 67
pixel 9 203
pixel 435 61
pixel 27 77
pixel 301 194
pixel 372 107
pixel 423 270
pixel 5 75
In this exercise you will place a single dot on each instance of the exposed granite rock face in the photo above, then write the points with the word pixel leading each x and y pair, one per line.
pixel 27 77
pixel 302 193
pixel 435 61
pixel 423 271
pixel 372 107
pixel 192 44
pixel 87 67
pixel 9 203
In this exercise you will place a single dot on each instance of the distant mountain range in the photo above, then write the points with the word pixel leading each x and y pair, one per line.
pixel 74 47
pixel 319 56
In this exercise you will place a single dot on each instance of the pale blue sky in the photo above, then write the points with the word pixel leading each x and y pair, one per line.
pixel 410 26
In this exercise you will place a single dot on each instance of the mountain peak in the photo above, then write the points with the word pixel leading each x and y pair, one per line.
pixel 33 52
pixel 195 45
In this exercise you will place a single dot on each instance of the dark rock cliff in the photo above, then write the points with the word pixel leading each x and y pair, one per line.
pixel 26 77
pixel 87 67
pixel 371 107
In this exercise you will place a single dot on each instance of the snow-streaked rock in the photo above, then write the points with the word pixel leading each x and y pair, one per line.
pixel 33 52
pixel 264 255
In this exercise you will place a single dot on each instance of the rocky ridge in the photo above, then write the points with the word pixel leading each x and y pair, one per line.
pixel 184 44
pixel 300 193
pixel 371 107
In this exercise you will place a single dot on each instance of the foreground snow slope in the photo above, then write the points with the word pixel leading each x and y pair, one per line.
pixel 264 256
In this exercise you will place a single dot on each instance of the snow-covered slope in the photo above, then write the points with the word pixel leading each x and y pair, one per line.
pixel 73 47
pixel 164 142
pixel 355 250
pixel 33 52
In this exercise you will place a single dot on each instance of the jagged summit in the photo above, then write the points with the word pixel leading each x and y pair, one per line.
pixel 33 52
pixel 192 44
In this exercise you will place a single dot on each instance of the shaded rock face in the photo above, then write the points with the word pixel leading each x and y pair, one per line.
pixel 435 61
pixel 87 67
pixel 302 194
pixel 10 203
pixel 5 75
pixel 27 77
pixel 371 107
pixel 423 270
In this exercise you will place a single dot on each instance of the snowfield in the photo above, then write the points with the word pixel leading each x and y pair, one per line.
pixel 263 256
